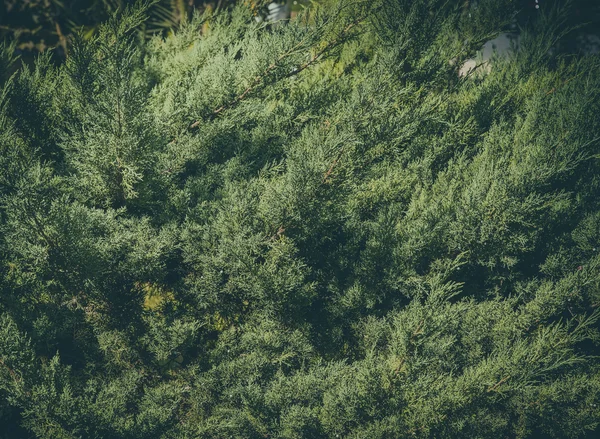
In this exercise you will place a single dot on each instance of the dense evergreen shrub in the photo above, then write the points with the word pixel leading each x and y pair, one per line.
pixel 311 230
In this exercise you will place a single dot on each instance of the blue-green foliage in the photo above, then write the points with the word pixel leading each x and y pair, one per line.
pixel 311 230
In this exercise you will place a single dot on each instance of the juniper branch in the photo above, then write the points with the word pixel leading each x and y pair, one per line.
pixel 261 79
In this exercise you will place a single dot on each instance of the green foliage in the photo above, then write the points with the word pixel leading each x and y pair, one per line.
pixel 310 230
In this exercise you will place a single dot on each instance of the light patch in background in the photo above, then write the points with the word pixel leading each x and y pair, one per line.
pixel 500 44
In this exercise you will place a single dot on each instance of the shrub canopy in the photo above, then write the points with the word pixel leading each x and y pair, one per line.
pixel 309 230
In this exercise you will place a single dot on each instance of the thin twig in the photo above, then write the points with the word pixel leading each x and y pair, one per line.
pixel 12 373
pixel 335 161
pixel 498 384
pixel 564 83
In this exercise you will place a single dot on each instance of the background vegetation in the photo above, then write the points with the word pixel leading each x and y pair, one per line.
pixel 317 230
pixel 38 25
